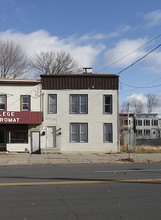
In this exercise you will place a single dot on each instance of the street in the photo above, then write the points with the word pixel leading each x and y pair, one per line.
pixel 111 191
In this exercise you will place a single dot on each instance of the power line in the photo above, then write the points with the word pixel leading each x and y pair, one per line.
pixel 139 59
pixel 129 54
pixel 141 87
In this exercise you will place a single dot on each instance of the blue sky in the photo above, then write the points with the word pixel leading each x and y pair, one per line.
pixel 97 33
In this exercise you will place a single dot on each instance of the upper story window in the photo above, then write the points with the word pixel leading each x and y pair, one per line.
pixel 25 103
pixel 52 104
pixel 3 102
pixel 147 122
pixel 79 104
pixel 155 122
pixel 139 122
pixel 108 104
pixel 126 122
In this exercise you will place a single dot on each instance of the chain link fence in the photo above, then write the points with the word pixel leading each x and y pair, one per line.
pixel 129 141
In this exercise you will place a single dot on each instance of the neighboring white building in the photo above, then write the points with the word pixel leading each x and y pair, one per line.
pixel 20 115
pixel 147 126
pixel 80 113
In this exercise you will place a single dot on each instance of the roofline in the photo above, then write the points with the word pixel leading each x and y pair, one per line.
pixel 19 81
pixel 79 75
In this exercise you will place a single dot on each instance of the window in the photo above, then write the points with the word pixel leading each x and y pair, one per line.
pixel 139 122
pixel 25 103
pixel 147 122
pixel 146 132
pixel 126 122
pixel 18 137
pixel 52 104
pixel 139 132
pixel 155 122
pixel 79 132
pixel 79 104
pixel 108 133
pixel 108 104
pixel 3 102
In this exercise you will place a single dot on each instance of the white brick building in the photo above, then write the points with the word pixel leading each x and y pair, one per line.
pixel 80 113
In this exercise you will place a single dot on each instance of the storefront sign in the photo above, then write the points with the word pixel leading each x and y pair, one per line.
pixel 20 117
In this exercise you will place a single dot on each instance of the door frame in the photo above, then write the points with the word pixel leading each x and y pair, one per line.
pixel 4 145
pixel 54 147
pixel 31 142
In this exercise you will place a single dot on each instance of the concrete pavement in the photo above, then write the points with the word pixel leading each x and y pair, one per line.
pixel 75 158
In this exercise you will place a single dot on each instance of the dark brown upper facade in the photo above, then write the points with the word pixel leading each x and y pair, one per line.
pixel 80 81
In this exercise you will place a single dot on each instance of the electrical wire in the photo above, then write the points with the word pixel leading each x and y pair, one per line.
pixel 139 59
pixel 129 54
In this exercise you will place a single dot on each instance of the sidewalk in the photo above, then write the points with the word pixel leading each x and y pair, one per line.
pixel 76 158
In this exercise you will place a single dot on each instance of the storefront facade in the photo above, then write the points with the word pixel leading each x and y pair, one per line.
pixel 20 115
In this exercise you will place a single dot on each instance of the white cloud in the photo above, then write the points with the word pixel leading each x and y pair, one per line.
pixel 85 53
pixel 153 18
pixel 121 51
pixel 141 97
pixel 154 64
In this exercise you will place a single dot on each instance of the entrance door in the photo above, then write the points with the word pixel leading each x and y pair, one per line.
pixel 35 142
pixel 51 137
pixel 2 138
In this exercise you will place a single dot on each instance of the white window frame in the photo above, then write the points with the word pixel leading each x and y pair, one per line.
pixel 79 104
pixel 109 134
pixel 139 122
pixel 4 103
pixel 146 132
pixel 27 104
pixel 105 105
pixel 147 122
pixel 78 133
pixel 54 105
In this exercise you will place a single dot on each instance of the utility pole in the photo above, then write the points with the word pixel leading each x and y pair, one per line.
pixel 127 108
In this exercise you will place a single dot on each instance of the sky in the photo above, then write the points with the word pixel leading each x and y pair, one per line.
pixel 112 36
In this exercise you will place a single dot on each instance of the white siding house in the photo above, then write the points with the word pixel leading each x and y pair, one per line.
pixel 147 126
pixel 80 113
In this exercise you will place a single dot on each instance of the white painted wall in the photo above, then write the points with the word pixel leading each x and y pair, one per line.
pixel 95 119
pixel 13 92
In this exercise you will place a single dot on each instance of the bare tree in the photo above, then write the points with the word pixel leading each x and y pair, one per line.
pixel 13 60
pixel 51 62
pixel 152 102
pixel 136 105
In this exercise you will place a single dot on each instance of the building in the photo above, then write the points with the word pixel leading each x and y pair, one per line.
pixel 20 115
pixel 80 112
pixel 147 126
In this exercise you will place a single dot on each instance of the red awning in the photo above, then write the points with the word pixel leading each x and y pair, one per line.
pixel 20 117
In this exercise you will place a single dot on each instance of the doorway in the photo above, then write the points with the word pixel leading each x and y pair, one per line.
pixel 2 138
pixel 35 142
pixel 51 137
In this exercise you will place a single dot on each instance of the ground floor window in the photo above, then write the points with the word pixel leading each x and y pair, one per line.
pixel 139 132
pixel 79 132
pixel 108 136
pixel 18 137
pixel 146 132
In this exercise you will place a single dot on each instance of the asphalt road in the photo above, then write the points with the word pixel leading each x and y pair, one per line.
pixel 87 192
